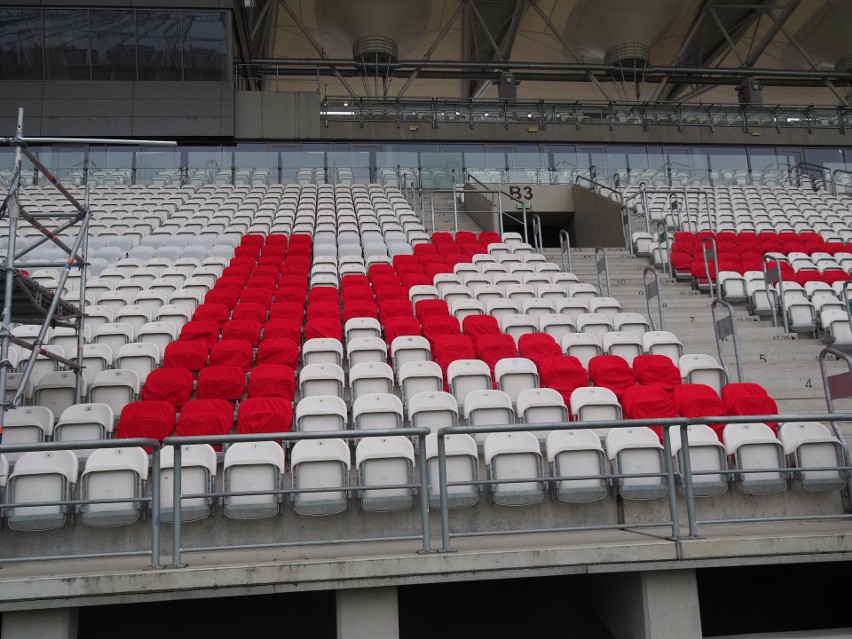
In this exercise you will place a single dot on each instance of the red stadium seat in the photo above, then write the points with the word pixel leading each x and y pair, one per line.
pixel 749 398
pixel 657 370
pixel 221 382
pixel 474 326
pixel 190 355
pixel 232 352
pixel 538 346
pixel 148 419
pixel 612 372
pixel 699 400
pixel 277 350
pixel 264 415
pixel 272 380
pixel 200 417
pixel 172 385
pixel 281 327
pixel 492 348
pixel 562 373
pixel 205 332
pixel 648 402
pixel 242 329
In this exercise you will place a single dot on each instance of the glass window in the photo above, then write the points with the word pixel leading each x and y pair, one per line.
pixel 205 51
pixel 21 44
pixel 66 41
pixel 113 45
pixel 159 45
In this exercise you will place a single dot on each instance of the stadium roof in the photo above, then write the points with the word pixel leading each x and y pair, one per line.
pixel 796 52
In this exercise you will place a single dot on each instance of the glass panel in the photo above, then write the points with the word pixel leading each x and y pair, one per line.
pixel 159 45
pixel 205 45
pixel 404 159
pixel 66 36
pixel 527 165
pixel 113 45
pixel 563 164
pixel 21 44
pixel 158 167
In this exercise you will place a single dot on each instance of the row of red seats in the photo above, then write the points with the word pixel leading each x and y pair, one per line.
pixel 765 241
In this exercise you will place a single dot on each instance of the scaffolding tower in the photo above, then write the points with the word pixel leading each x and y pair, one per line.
pixel 25 300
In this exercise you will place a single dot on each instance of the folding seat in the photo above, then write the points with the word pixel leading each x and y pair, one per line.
pixel 514 374
pixel 583 291
pixel 648 402
pixel 518 324
pixel 197 476
pixel 111 474
pixel 514 457
pixel 385 461
pixel 663 343
pixel 142 357
pixel 657 370
pixel 595 323
pixel 27 425
pixel 466 375
pixel 330 327
pixel 450 292
pixel 177 314
pixel 556 325
pixel 700 400
pixel 748 398
pixel 486 292
pixel 133 314
pixel 191 355
pixel 577 462
pixel 277 350
pixel 594 404
pixel 415 376
pixel 146 419
pixel 474 326
pixel 322 465
pixel 204 331
pixel 836 328
pixel 573 308
pixel 707 459
pixel 433 410
pixel 538 346
pixel 623 344
pixel 115 335
pixel 248 330
pixel 755 448
pixel 406 348
pixel 815 454
pixel 48 477
pixel 426 308
pixel 221 381
pixel 604 305
pixel 321 379
pixel 450 348
pixel 116 387
pixel 358 327
pixel 521 292
pixel 700 368
pixel 636 457
pixel 257 469
pixel 264 415
pixel 488 408
pixel 320 413
pixel 232 352
pixel 160 334
pixel 366 349
pixel 377 411
pixel 612 372
pixel 213 416
pixel 539 406
pixel 370 377
pixel 89 421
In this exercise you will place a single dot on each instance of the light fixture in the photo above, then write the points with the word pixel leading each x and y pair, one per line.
pixel 413 127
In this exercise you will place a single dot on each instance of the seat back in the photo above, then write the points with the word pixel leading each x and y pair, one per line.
pixel 320 468
pixel 756 449
pixel 577 464
pixel 636 456
pixel 385 468
pixel 815 453
pixel 320 412
pixel 41 476
pixel 113 474
pixel 253 467
pixel 707 459
pixel 514 457
pixel 461 466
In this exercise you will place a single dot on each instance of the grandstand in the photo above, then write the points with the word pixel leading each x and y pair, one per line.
pixel 311 320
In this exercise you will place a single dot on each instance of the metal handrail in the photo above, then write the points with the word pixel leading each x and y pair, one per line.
pixel 724 327
pixel 565 245
pixel 502 212
pixel 834 182
pixel 602 267
pixel 652 289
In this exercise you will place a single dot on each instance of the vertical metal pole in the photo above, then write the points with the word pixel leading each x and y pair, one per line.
pixel 442 484
pixel 455 207
pixel 81 322
pixel 9 283
pixel 176 495
pixel 687 480
pixel 424 493
pixel 667 454
pixel 500 209
pixel 155 508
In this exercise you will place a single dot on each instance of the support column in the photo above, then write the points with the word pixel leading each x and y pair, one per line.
pixel 53 623
pixel 646 605
pixel 366 613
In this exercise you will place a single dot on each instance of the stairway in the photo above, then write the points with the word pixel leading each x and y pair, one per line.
pixel 785 364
